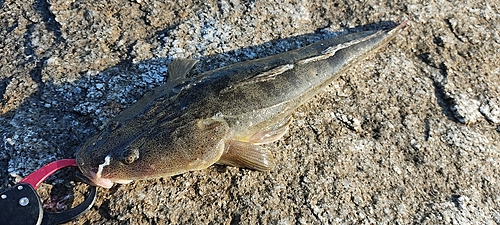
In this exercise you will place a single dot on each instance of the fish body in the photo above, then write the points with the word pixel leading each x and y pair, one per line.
pixel 221 116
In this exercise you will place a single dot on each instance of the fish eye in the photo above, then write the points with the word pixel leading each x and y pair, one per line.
pixel 129 155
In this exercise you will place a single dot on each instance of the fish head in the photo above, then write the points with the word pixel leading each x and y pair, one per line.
pixel 120 155
pixel 108 157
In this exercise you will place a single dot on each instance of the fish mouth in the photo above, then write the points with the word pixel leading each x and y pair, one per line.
pixel 96 180
pixel 96 177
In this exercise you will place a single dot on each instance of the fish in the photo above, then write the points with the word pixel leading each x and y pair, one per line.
pixel 224 116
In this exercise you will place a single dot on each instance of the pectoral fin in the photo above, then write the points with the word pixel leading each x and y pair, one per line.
pixel 272 133
pixel 243 154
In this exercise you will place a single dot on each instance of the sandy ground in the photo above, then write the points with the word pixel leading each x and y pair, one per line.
pixel 410 135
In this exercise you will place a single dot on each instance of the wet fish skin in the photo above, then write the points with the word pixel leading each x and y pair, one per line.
pixel 221 116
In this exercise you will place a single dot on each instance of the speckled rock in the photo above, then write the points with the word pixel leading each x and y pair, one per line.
pixel 410 135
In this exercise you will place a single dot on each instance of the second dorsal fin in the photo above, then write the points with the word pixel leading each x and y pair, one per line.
pixel 179 68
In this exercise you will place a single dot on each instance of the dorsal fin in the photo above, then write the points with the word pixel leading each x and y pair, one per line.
pixel 261 77
pixel 179 68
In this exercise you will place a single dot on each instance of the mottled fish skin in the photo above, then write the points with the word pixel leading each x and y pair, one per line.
pixel 221 116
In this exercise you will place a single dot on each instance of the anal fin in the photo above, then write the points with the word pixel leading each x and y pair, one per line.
pixel 247 155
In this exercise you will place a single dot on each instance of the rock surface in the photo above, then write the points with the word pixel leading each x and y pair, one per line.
pixel 410 135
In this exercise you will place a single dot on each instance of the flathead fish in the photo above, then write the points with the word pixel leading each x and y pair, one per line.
pixel 222 116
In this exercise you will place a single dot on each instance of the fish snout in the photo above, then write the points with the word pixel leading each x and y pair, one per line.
pixel 91 178
pixel 93 173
